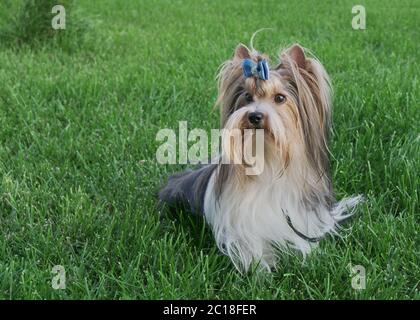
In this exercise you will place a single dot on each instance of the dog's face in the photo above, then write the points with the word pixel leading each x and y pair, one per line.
pixel 270 105
pixel 292 105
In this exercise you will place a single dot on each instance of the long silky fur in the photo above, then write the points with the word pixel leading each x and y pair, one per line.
pixel 248 214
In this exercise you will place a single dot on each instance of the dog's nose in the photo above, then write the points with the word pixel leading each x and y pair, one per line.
pixel 255 117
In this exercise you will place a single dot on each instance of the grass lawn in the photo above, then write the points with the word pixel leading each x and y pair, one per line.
pixel 78 174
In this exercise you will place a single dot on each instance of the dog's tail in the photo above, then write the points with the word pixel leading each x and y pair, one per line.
pixel 344 208
pixel 188 188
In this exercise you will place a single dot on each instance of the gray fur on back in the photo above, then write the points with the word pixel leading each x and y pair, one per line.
pixel 188 187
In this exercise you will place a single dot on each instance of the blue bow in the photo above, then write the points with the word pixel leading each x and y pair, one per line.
pixel 252 69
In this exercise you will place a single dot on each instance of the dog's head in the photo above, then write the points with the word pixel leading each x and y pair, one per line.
pixel 292 104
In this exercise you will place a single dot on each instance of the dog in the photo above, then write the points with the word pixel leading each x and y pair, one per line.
pixel 290 204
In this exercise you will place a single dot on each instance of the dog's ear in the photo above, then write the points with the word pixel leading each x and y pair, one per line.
pixel 297 54
pixel 231 80
pixel 242 52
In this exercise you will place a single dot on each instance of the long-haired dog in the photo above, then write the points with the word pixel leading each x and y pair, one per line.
pixel 290 204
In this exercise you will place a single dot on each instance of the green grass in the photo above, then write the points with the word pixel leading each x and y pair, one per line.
pixel 29 22
pixel 78 174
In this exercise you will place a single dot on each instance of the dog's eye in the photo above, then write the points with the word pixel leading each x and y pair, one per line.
pixel 279 98
pixel 248 97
